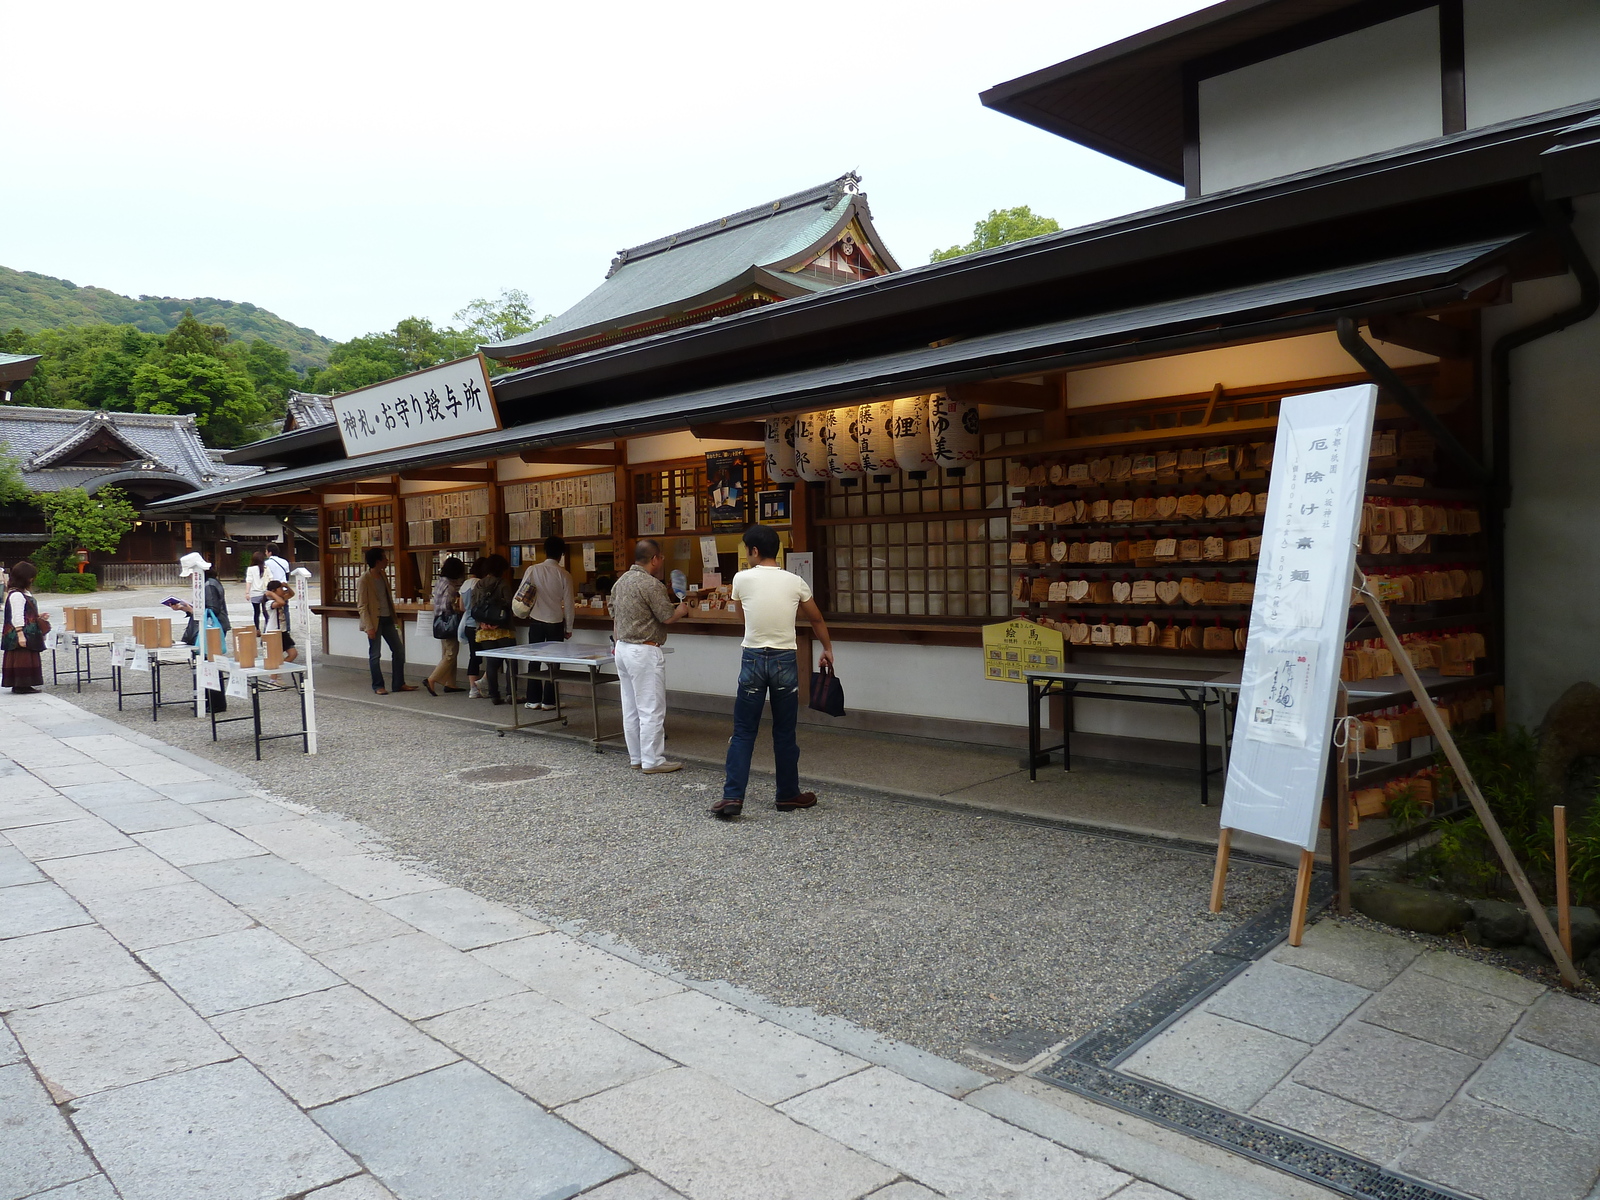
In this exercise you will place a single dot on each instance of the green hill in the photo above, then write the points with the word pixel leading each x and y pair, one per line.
pixel 34 302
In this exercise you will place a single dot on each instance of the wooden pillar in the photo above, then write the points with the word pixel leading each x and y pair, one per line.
pixel 407 578
pixel 622 514
pixel 499 539
pixel 800 531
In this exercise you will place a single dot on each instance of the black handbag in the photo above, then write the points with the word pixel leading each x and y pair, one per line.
pixel 827 693
pixel 447 626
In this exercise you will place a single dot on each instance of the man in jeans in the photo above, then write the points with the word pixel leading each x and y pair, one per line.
pixel 769 597
pixel 641 610
pixel 375 606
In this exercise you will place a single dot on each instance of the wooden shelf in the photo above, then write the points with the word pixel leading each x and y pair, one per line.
pixel 1199 611
pixel 962 514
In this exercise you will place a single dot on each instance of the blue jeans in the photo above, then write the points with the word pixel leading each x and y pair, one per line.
pixel 397 650
pixel 763 673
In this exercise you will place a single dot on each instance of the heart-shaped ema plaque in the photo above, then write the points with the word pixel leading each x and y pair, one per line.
pixel 1077 589
pixel 1058 551
pixel 1165 507
pixel 1216 505
pixel 1167 590
pixel 1121 592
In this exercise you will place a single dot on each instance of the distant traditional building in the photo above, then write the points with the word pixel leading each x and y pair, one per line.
pixel 149 456
pixel 793 246
pixel 15 370
pixel 303 410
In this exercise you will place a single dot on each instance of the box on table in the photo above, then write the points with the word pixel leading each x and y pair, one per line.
pixel 138 630
pixel 83 620
pixel 272 642
pixel 154 633
pixel 214 647
pixel 69 618
pixel 245 644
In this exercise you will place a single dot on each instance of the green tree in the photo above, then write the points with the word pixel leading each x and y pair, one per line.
pixel 269 369
pixel 78 520
pixel 1001 226
pixel 219 394
pixel 486 320
pixel 12 489
pixel 191 337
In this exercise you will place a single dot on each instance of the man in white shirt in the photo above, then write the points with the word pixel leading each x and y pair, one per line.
pixel 550 615
pixel 769 597
pixel 276 568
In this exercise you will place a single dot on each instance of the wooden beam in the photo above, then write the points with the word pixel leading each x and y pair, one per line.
pixel 576 456
pixel 1016 422
pixel 1007 393
pixel 450 475
pixel 731 431
pixel 292 499
pixel 1421 334
pixel 354 488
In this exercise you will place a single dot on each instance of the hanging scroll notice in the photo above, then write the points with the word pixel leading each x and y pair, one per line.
pixel 448 401
pixel 1298 617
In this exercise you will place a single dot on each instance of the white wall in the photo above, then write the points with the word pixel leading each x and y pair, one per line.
pixel 1312 356
pixel 1553 526
pixel 1367 91
pixel 1529 56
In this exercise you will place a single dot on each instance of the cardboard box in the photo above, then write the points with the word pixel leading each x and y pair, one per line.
pixel 89 619
pixel 244 646
pixel 272 642
pixel 152 632
pixel 214 647
pixel 69 618
pixel 138 630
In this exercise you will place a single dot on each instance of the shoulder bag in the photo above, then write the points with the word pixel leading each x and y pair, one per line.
pixel 827 693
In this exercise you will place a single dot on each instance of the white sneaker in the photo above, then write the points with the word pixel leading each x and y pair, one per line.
pixel 473 693
pixel 662 768
pixel 548 707
pixel 535 707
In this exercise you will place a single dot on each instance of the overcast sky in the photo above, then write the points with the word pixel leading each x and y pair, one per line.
pixel 346 165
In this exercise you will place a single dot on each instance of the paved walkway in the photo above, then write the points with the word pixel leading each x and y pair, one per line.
pixel 1432 1064
pixel 211 995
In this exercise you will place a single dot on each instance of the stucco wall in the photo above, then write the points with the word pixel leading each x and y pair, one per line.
pixel 1529 56
pixel 1553 526
pixel 1367 91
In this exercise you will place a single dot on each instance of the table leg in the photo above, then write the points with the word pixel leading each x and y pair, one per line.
pixel 116 684
pixel 594 704
pixel 255 713
pixel 305 726
pixel 1067 689
pixel 1034 697
pixel 155 689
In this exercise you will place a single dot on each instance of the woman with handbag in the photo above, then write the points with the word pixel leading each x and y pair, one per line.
pixel 491 610
pixel 23 637
pixel 447 624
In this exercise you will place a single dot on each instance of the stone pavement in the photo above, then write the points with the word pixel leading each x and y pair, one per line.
pixel 1434 1065
pixel 211 995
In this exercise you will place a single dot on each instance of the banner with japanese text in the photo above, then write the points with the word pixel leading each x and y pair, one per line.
pixel 443 402
pixel 1283 730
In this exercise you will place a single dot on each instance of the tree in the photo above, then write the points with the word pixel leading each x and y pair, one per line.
pixel 487 320
pixel 219 394
pixel 78 520
pixel 1001 226
pixel 188 336
pixel 269 369
pixel 12 488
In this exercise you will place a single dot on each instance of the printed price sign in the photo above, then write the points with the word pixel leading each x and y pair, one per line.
pixel 141 658
pixel 1013 647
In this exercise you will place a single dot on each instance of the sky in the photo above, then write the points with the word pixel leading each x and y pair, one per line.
pixel 346 165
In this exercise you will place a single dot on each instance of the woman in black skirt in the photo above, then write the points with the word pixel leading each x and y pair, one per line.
pixel 23 636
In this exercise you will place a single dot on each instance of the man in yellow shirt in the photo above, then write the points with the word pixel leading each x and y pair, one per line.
pixel 770 598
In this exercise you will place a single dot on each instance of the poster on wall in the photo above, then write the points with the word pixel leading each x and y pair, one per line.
pixel 726 490
pixel 1283 731
pixel 652 520
pixel 772 508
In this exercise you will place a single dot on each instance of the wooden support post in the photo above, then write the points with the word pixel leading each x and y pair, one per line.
pixel 1441 734
pixel 1340 836
pixel 1302 897
pixel 1219 877
pixel 1563 900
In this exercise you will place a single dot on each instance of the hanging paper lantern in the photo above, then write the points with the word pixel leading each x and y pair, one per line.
pixel 810 448
pixel 780 451
pixel 844 450
pixel 873 424
pixel 911 447
pixel 953 432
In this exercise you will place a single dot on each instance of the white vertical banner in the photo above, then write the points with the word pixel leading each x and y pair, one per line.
pixel 300 580
pixel 197 601
pixel 1283 733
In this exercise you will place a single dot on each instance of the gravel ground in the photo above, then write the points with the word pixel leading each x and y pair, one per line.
pixel 934 927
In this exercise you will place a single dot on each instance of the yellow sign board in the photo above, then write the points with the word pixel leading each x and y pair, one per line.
pixel 1013 647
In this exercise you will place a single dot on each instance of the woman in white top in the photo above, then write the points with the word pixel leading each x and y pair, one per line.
pixel 255 587
pixel 464 607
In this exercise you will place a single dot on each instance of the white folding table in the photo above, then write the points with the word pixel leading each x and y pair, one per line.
pixel 575 663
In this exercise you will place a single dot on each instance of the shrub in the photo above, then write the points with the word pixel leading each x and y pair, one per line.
pixel 72 582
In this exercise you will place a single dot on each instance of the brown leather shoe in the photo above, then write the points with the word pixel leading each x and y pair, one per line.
pixel 803 800
pixel 726 808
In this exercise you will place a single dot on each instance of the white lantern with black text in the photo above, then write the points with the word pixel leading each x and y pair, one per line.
pixel 873 425
pixel 953 432
pixel 911 447
pixel 810 448
pixel 780 451
pixel 844 450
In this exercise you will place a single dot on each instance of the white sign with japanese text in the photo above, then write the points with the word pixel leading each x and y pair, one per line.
pixel 1283 732
pixel 444 402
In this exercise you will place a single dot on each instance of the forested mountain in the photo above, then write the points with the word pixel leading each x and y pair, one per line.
pixel 33 303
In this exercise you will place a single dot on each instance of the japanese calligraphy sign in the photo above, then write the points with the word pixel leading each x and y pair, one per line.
pixel 1283 732
pixel 1012 647
pixel 448 401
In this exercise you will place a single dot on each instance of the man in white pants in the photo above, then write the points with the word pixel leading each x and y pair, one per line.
pixel 641 610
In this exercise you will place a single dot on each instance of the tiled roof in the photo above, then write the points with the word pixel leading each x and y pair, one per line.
pixel 305 409
pixel 160 447
pixel 689 267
